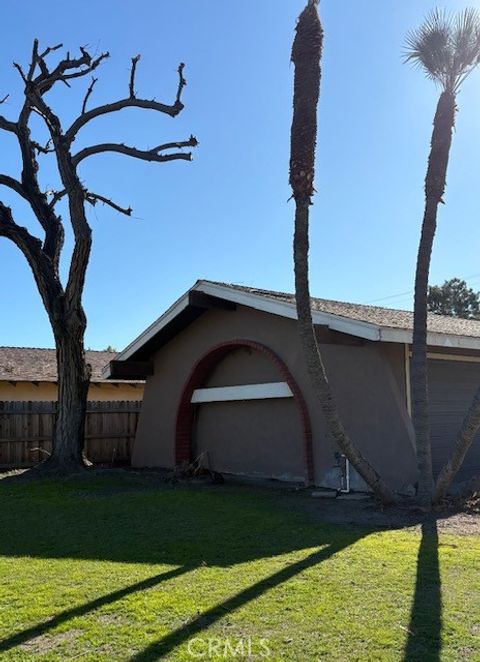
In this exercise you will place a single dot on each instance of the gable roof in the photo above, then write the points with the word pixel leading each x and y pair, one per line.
pixel 369 322
pixel 382 317
pixel 35 364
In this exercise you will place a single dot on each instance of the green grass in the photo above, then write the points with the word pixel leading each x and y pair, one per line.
pixel 119 568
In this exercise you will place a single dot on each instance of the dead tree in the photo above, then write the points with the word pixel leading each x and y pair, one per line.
pixel 63 300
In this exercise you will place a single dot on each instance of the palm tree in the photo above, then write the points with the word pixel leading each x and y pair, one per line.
pixel 447 49
pixel 306 56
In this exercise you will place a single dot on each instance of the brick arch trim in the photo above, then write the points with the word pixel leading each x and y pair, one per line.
pixel 201 372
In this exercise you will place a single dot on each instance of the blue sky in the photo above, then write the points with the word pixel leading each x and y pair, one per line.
pixel 225 216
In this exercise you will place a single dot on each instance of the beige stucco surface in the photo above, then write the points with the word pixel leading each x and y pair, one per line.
pixel 48 391
pixel 366 380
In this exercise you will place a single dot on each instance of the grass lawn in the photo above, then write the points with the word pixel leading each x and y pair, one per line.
pixel 121 568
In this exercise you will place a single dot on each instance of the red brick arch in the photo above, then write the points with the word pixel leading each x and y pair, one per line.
pixel 198 377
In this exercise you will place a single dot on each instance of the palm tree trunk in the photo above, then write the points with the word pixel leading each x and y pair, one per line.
pixel 314 361
pixel 435 182
pixel 469 428
pixel 306 56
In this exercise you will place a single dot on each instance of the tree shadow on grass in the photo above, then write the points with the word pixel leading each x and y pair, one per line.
pixel 171 641
pixel 177 526
pixel 42 628
pixel 167 644
pixel 424 633
pixel 180 527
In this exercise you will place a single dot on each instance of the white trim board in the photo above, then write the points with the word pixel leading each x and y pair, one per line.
pixel 358 328
pixel 242 392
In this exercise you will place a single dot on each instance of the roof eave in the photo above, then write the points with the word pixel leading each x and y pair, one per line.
pixel 447 340
pixel 357 328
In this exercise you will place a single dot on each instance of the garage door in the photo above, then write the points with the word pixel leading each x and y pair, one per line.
pixel 452 385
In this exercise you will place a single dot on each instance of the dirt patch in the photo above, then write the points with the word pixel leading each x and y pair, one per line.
pixel 47 643
pixel 112 619
pixel 367 512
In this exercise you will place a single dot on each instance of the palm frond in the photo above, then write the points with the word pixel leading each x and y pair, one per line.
pixel 446 47
pixel 466 43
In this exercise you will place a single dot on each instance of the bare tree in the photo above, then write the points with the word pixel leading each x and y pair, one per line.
pixel 63 300
pixel 306 56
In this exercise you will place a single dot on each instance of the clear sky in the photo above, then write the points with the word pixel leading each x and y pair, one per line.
pixel 225 216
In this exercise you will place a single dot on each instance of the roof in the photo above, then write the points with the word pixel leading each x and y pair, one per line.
pixel 369 322
pixel 385 317
pixel 35 364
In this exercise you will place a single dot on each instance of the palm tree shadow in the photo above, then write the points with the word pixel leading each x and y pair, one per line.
pixel 42 628
pixel 183 528
pixel 164 646
pixel 425 628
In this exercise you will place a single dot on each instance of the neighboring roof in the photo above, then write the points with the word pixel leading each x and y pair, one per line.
pixel 368 322
pixel 34 364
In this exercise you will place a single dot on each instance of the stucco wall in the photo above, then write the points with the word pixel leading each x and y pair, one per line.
pixel 256 438
pixel 48 391
pixel 364 378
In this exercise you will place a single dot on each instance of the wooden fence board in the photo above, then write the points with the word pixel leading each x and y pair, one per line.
pixel 26 431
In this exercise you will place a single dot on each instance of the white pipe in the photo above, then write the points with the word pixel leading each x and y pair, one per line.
pixel 346 489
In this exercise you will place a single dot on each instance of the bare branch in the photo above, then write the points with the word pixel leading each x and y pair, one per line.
pixel 191 142
pixel 114 107
pixel 33 63
pixel 132 102
pixel 57 195
pixel 132 75
pixel 48 149
pixel 41 266
pixel 49 50
pixel 13 184
pixel 20 71
pixel 7 125
pixel 47 79
pixel 10 229
pixel 91 67
pixel 4 98
pixel 144 155
pixel 181 83
pixel 89 91
pixel 93 198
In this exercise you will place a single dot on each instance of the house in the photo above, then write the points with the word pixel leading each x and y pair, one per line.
pixel 226 380
pixel 28 373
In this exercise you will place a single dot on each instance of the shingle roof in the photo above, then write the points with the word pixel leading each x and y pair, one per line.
pixel 35 364
pixel 372 323
pixel 384 317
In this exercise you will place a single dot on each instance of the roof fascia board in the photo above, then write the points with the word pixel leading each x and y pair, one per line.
pixel 388 334
pixel 284 309
pixel 163 320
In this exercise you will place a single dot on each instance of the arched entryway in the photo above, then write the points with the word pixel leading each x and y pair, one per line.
pixel 200 375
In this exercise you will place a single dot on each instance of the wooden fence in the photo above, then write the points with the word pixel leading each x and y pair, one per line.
pixel 26 432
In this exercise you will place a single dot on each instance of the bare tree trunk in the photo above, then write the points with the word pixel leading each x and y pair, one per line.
pixel 470 426
pixel 435 182
pixel 306 55
pixel 73 383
